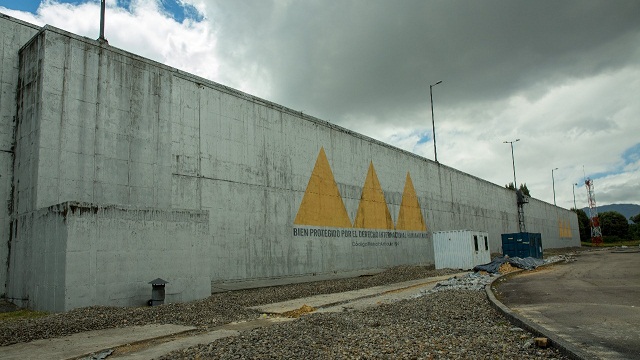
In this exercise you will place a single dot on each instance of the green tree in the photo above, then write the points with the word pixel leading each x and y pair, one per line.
pixel 523 188
pixel 634 229
pixel 614 225
pixel 584 225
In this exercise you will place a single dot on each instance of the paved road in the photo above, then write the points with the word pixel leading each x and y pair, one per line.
pixel 593 303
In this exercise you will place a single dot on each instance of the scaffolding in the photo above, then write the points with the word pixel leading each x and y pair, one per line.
pixel 522 199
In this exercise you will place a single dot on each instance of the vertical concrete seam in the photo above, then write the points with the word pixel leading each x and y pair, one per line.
pixel 96 126
pixel 130 135
pixel 63 110
pixel 199 178
pixel 12 218
pixel 156 138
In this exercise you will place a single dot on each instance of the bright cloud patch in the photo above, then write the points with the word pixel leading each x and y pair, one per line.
pixel 171 32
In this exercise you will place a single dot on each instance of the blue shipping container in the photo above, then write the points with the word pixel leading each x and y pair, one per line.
pixel 522 245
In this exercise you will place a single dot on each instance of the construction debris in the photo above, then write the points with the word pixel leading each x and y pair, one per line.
pixel 304 309
pixel 507 268
pixel 541 342
pixel 528 263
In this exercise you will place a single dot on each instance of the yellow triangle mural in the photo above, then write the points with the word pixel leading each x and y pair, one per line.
pixel 373 212
pixel 410 217
pixel 564 227
pixel 322 204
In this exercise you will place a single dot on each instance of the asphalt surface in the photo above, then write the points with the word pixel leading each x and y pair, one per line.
pixel 592 303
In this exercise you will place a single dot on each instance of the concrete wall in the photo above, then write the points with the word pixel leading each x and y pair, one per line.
pixel 73 255
pixel 37 261
pixel 13 35
pixel 286 193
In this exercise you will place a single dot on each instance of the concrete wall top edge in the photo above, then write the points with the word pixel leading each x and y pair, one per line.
pixel 21 22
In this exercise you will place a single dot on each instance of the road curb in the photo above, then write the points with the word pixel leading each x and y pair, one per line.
pixel 556 341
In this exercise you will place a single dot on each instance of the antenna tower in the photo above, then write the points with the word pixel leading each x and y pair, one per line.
pixel 596 233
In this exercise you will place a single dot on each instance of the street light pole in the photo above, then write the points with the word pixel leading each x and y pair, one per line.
pixel 433 123
pixel 553 183
pixel 574 196
pixel 513 162
pixel 102 10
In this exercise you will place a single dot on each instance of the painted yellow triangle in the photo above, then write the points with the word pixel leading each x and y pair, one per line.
pixel 560 228
pixel 373 212
pixel 564 227
pixel 322 204
pixel 410 217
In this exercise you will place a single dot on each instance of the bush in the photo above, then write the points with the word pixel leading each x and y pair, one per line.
pixel 613 223
pixel 612 239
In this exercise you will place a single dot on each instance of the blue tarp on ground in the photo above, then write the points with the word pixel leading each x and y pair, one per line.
pixel 528 263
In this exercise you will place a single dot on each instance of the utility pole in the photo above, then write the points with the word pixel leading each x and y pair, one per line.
pixel 433 123
pixel 513 162
pixel 102 11
pixel 553 183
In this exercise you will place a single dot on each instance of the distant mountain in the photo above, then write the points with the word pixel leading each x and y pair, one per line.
pixel 628 210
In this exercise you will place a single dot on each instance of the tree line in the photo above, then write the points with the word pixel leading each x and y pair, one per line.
pixel 614 226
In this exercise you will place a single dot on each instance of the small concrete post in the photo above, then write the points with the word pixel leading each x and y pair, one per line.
pixel 157 292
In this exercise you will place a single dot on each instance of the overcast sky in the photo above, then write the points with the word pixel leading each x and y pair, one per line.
pixel 561 76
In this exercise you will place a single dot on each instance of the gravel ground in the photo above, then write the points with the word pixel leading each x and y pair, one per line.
pixel 216 310
pixel 452 323
pixel 455 324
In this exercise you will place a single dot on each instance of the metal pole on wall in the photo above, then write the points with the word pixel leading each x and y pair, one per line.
pixel 513 162
pixel 553 184
pixel 102 11
pixel 574 196
pixel 433 123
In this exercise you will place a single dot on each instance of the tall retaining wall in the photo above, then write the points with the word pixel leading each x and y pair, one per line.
pixel 286 193
pixel 13 35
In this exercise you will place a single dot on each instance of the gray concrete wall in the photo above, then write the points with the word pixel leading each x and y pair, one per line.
pixel 37 262
pixel 13 35
pixel 287 194
pixel 73 255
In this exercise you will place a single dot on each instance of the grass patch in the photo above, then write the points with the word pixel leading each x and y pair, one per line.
pixel 614 244
pixel 21 314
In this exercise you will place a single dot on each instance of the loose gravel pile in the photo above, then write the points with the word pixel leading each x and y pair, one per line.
pixel 475 281
pixel 216 310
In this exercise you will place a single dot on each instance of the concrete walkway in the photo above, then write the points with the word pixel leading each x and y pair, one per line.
pixel 371 296
pixel 77 345
pixel 152 341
